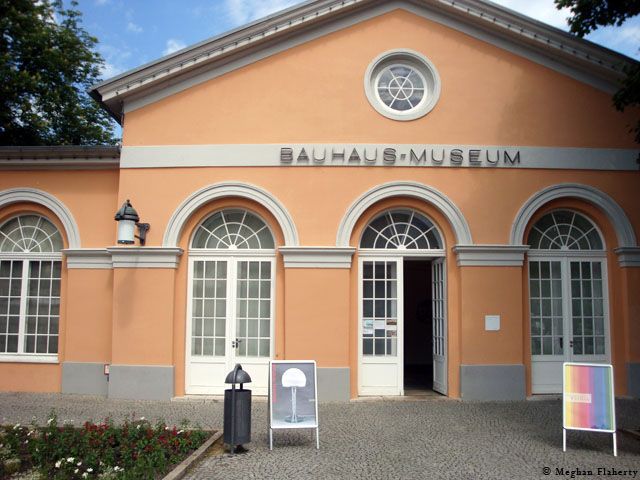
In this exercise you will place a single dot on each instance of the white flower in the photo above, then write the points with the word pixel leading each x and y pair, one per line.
pixel 16 426
pixel 89 469
pixel 142 418
pixel 70 459
pixel 49 421
pixel 85 475
pixel 78 464
pixel 75 471
pixel 58 463
pixel 180 431
pixel 116 468
pixel 166 428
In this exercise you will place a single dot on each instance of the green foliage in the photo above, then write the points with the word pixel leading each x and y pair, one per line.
pixel 47 64
pixel 134 450
pixel 588 15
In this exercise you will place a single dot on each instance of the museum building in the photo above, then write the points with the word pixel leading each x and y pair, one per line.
pixel 420 196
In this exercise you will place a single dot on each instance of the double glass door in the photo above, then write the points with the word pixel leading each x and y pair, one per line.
pixel 230 320
pixel 381 325
pixel 569 317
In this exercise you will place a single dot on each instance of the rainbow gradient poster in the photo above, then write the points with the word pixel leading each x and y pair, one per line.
pixel 588 401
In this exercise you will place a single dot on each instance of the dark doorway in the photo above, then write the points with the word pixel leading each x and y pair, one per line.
pixel 418 337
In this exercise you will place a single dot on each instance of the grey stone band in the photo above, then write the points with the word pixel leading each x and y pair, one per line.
pixel 141 382
pixel 84 378
pixel 334 384
pixel 492 382
pixel 633 380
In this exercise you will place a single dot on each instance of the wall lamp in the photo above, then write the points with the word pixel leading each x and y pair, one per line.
pixel 128 219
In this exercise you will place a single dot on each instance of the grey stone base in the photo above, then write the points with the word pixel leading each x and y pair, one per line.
pixel 633 380
pixel 84 378
pixel 334 384
pixel 141 382
pixel 492 382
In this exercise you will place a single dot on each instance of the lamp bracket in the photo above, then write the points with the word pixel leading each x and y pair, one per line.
pixel 143 228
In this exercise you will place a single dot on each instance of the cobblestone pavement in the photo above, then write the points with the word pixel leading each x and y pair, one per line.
pixel 382 439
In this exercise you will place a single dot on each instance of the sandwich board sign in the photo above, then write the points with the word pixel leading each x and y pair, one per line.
pixel 588 400
pixel 293 396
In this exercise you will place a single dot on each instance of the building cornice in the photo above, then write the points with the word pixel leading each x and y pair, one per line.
pixel 490 255
pixel 70 157
pixel 628 256
pixel 544 40
pixel 317 257
pixel 88 258
pixel 145 257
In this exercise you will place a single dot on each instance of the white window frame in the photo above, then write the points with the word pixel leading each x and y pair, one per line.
pixel 21 356
pixel 232 257
pixel 409 58
pixel 565 257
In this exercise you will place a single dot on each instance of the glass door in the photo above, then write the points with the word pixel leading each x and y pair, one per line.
pixel 381 327
pixel 439 325
pixel 569 320
pixel 230 320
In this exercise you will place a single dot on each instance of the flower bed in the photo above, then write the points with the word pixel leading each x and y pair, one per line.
pixel 133 450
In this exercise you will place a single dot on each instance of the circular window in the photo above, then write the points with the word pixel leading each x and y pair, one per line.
pixel 402 85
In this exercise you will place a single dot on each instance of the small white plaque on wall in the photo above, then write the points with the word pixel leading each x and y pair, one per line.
pixel 492 322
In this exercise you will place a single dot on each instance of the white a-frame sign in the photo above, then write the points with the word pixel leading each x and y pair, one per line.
pixel 293 396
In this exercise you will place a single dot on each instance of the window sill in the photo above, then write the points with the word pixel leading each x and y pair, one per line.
pixel 15 358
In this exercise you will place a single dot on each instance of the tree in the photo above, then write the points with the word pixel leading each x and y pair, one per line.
pixel 47 63
pixel 588 15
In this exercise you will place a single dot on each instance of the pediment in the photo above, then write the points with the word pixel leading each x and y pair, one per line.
pixel 540 43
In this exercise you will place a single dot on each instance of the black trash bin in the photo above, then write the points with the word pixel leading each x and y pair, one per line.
pixel 237 410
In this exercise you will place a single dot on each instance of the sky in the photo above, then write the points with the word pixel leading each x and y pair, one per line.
pixel 134 32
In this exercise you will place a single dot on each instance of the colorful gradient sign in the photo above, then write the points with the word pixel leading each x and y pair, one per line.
pixel 588 397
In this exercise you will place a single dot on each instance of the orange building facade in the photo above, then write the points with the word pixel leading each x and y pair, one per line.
pixel 418 196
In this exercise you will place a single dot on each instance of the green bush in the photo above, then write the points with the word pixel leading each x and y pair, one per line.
pixel 133 450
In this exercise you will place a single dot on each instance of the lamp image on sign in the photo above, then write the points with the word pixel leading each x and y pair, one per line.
pixel 293 400
pixel 588 399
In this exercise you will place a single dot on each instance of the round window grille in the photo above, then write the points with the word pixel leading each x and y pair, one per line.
pixel 402 85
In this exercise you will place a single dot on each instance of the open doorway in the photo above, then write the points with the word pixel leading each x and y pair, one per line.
pixel 418 327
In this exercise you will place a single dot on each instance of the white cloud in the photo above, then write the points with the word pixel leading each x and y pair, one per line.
pixel 243 11
pixel 101 2
pixel 116 60
pixel 132 27
pixel 625 39
pixel 173 45
pixel 542 10
pixel 110 70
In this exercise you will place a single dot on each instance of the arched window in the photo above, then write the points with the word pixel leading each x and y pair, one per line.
pixel 233 229
pixel 402 230
pixel 564 230
pixel 567 296
pixel 30 266
pixel 231 296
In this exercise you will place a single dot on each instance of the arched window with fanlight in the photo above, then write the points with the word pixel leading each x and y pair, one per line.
pixel 400 247
pixel 231 311
pixel 567 296
pixel 30 271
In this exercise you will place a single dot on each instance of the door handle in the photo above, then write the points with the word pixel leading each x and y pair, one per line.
pixel 236 343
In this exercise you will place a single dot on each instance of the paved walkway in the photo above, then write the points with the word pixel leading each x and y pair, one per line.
pixel 382 439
